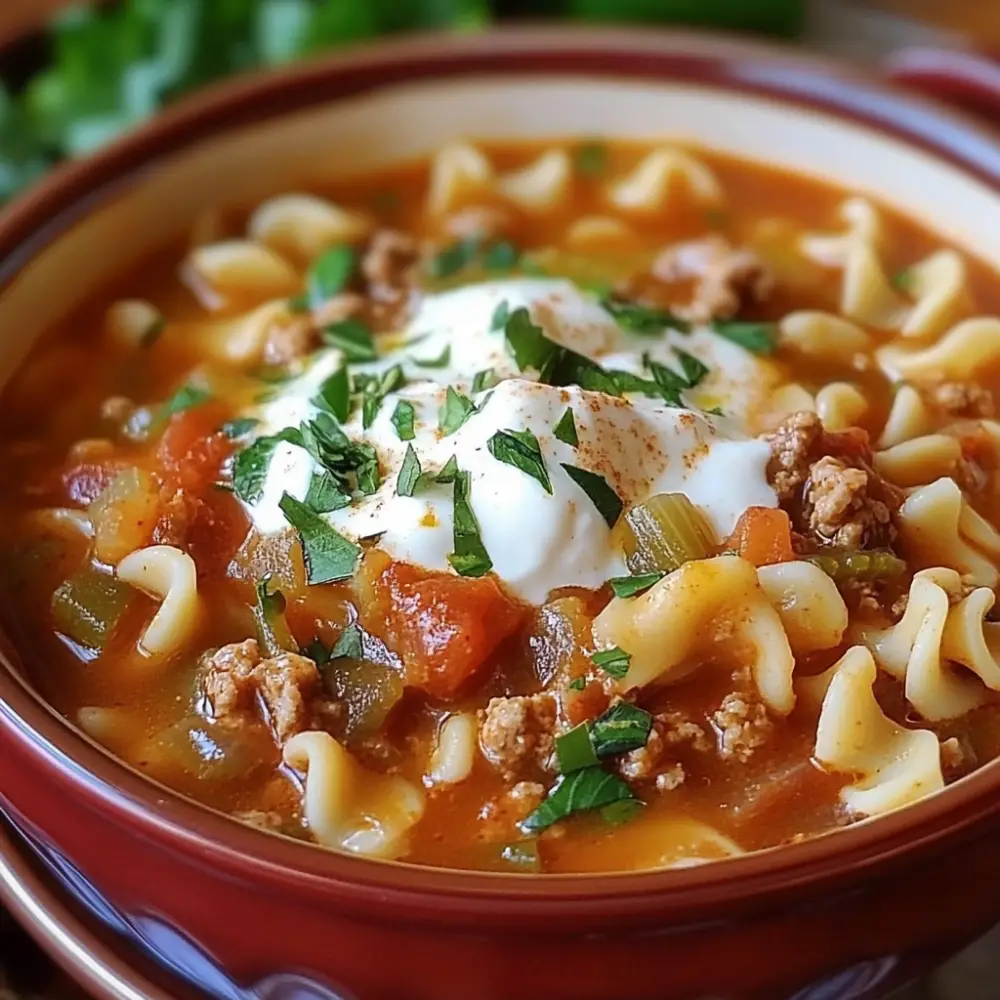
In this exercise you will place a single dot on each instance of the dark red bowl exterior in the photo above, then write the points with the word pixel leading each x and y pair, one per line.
pixel 848 915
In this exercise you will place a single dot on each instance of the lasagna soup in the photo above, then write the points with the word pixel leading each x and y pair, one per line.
pixel 589 507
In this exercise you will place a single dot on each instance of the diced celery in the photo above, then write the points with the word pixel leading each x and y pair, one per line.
pixel 879 564
pixel 273 632
pixel 663 533
pixel 88 605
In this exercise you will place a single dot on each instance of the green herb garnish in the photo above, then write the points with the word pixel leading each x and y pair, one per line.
pixel 187 397
pixel 500 257
pixel 448 472
pixel 623 727
pixel 325 494
pixel 456 409
pixel 903 280
pixel 454 258
pixel 631 586
pixel 578 683
pixel 484 380
pixel 335 394
pixel 251 464
pixel 403 418
pixel 613 662
pixel 441 361
pixel 241 427
pixel 521 450
pixel 565 430
pixel 758 338
pixel 603 497
pixel 694 369
pixel 349 644
pixel 470 557
pixel 327 554
pixel 588 788
pixel 574 749
pixel 591 158
pixel 375 389
pixel 409 473
pixel 500 316
pixel 643 319
pixel 328 274
pixel 353 337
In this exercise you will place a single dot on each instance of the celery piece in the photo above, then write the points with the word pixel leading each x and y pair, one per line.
pixel 664 532
pixel 88 605
pixel 878 564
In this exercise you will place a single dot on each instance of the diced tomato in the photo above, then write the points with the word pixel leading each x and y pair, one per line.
pixel 210 526
pixel 582 706
pixel 84 483
pixel 763 535
pixel 445 627
pixel 192 449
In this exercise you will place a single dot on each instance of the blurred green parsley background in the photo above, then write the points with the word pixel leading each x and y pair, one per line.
pixel 101 69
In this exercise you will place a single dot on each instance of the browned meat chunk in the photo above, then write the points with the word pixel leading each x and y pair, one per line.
pixel 517 734
pixel 962 399
pixel 285 342
pixel 235 676
pixel 389 269
pixel 741 726
pixel 726 278
pixel 654 762
pixel 793 443
pixel 840 509
pixel 500 816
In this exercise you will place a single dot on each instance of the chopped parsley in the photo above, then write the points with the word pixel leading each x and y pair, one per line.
pixel 903 280
pixel 694 368
pixel 556 365
pixel 603 497
pixel 521 450
pixel 325 494
pixel 409 473
pixel 403 420
pixel 251 464
pixel 643 319
pixel 374 389
pixel 574 750
pixel 336 453
pixel 483 380
pixel 500 257
pixel 448 472
pixel 186 397
pixel 456 409
pixel 631 586
pixel 591 158
pixel 613 662
pixel 623 727
pixel 349 644
pixel 470 557
pixel 329 274
pixel 353 337
pixel 500 316
pixel 335 394
pixel 240 428
pixel 565 430
pixel 758 338
pixel 327 554
pixel 578 683
pixel 586 789
pixel 441 361
pixel 454 258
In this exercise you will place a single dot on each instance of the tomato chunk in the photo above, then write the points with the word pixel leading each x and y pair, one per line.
pixel 445 627
pixel 192 449
pixel 763 535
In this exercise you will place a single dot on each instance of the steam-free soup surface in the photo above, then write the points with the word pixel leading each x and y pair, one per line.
pixel 583 507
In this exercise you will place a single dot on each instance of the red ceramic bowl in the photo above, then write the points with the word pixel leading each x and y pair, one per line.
pixel 234 911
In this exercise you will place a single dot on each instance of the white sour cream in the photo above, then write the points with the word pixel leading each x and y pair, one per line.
pixel 537 541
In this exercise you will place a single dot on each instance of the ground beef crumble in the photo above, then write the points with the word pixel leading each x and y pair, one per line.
pixel 235 677
pixel 742 725
pixel 961 399
pixel 827 484
pixel 499 817
pixel 517 734
pixel 726 278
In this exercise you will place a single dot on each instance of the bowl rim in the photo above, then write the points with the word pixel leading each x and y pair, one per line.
pixel 803 80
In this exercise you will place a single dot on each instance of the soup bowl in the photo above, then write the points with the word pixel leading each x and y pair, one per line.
pixel 236 912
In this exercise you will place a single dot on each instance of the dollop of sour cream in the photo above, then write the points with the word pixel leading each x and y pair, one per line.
pixel 538 541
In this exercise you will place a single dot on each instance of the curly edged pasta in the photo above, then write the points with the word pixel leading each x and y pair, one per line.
pixel 909 417
pixel 863 226
pixel 300 227
pixel 653 181
pixel 237 271
pixel 967 351
pixel 348 807
pixel 168 575
pixel 912 650
pixel 937 527
pixel 892 766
